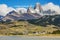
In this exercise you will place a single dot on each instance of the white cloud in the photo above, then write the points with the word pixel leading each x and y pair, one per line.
pixel 4 9
pixel 52 7
pixel 23 10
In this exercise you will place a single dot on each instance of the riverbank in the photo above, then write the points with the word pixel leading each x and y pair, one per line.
pixel 39 35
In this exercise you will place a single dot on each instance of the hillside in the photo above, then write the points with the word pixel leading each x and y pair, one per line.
pixel 47 20
pixel 43 25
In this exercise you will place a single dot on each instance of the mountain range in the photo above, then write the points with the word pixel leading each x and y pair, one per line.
pixel 29 14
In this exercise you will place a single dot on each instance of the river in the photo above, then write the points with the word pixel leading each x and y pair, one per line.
pixel 28 38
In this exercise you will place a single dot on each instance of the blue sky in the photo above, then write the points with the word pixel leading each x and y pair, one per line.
pixel 15 3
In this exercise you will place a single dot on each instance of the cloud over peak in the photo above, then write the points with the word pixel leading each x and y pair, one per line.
pixel 23 10
pixel 4 9
pixel 52 7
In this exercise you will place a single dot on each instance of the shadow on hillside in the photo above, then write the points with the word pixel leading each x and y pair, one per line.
pixel 46 20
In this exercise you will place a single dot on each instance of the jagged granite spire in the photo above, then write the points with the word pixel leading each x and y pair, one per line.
pixel 38 8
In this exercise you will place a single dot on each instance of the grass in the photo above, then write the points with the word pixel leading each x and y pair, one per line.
pixel 25 28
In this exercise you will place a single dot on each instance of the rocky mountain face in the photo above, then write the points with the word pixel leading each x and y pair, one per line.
pixel 16 16
pixel 49 12
pixel 38 8
pixel 13 15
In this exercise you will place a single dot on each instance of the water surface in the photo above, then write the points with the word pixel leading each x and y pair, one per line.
pixel 27 38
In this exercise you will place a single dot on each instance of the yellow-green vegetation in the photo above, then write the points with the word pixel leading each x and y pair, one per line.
pixel 25 28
